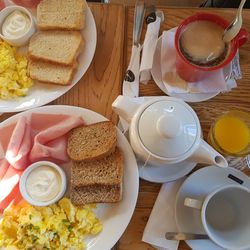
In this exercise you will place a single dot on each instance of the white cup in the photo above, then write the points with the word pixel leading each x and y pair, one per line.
pixel 225 216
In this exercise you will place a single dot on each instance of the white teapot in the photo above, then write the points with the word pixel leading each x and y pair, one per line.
pixel 165 131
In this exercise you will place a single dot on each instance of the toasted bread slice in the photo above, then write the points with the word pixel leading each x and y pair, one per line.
pixel 92 142
pixel 95 194
pixel 61 14
pixel 56 46
pixel 51 73
pixel 105 171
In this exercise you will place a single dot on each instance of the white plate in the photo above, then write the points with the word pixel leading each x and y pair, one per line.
pixel 162 174
pixel 188 97
pixel 115 217
pixel 197 186
pixel 41 94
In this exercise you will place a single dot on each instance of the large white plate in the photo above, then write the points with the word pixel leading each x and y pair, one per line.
pixel 187 97
pixel 115 217
pixel 198 186
pixel 41 94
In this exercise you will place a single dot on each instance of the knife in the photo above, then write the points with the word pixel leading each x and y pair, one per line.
pixel 138 21
pixel 131 79
pixel 185 236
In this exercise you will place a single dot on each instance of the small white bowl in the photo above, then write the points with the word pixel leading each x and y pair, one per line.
pixel 21 40
pixel 23 179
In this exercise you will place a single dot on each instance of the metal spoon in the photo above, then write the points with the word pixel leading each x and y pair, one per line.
pixel 185 236
pixel 233 29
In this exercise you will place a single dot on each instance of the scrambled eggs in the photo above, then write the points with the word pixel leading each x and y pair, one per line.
pixel 59 226
pixel 14 79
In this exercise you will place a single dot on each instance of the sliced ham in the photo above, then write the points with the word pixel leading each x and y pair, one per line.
pixel 13 198
pixel 39 137
pixel 8 183
pixel 51 142
pixel 31 138
pixel 19 146
pixel 4 165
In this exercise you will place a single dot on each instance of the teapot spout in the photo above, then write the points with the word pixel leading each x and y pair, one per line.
pixel 125 107
pixel 207 155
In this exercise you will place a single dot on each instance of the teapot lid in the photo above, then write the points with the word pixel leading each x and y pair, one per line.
pixel 168 128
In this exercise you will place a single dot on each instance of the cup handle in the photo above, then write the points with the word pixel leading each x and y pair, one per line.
pixel 193 203
pixel 242 37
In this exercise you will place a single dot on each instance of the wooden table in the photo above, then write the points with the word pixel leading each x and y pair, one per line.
pixel 102 83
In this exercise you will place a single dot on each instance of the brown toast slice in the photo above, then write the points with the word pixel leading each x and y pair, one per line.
pixel 96 194
pixel 105 171
pixel 92 142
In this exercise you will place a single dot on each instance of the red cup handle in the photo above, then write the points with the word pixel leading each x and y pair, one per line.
pixel 242 37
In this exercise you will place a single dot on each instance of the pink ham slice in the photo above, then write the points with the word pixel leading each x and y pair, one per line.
pixel 19 146
pixel 4 141
pixel 8 187
pixel 4 165
pixel 12 199
pixel 50 142
pixel 39 137
pixel 32 138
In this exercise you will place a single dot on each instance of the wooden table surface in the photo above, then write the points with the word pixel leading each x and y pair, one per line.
pixel 102 83
pixel 207 111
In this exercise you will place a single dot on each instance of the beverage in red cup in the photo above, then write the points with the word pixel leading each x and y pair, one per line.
pixel 200 48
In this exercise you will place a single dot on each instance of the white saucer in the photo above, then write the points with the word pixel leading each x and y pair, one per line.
pixel 187 97
pixel 198 185
pixel 162 174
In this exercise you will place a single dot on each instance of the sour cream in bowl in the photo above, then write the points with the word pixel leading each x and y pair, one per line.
pixel 43 183
pixel 16 25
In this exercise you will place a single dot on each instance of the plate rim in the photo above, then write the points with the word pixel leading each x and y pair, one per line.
pixel 197 173
pixel 120 229
pixel 183 96
pixel 67 88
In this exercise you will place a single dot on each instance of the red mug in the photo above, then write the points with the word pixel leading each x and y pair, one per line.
pixel 193 73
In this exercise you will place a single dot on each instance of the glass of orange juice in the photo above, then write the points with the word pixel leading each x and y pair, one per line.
pixel 230 134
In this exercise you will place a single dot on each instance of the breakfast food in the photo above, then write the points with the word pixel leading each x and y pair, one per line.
pixel 59 226
pixel 58 14
pixel 92 142
pixel 16 24
pixel 53 51
pixel 97 167
pixel 61 47
pixel 51 73
pixel 105 171
pixel 97 181
pixel 96 194
pixel 14 79
pixel 43 183
pixel 202 44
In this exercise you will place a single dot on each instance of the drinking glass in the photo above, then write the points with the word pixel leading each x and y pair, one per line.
pixel 230 135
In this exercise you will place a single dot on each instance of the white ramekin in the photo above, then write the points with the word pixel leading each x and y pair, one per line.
pixel 22 40
pixel 23 179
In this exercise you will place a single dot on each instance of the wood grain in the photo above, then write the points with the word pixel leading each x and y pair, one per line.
pixel 101 84
pixel 207 111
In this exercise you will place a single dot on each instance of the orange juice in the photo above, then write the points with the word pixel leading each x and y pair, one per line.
pixel 230 134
